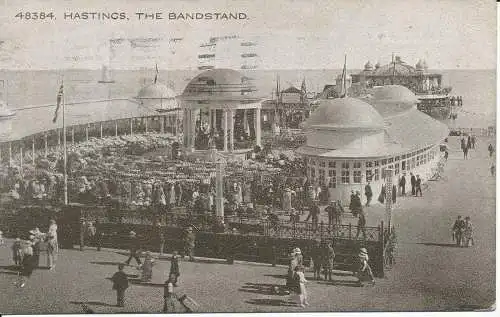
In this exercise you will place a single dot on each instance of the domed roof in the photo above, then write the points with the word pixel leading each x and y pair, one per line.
pixel 156 91
pixel 218 84
pixel 392 99
pixel 394 69
pixel 377 66
pixel 345 113
pixel 368 66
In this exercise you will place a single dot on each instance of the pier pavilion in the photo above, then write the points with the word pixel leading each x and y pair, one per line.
pixel 351 142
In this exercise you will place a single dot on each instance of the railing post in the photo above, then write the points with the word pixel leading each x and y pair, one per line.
pixel 116 128
pixel 131 126
pixel 87 132
pixel 100 127
pixel 33 150
pixel 72 135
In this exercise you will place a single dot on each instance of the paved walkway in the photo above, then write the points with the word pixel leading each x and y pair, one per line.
pixel 430 274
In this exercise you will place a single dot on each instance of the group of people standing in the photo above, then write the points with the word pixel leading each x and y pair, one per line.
pixel 26 253
pixel 467 144
pixel 462 232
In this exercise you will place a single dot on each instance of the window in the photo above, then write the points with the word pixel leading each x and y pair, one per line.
pixel 413 160
pixel 369 164
pixel 384 162
pixel 404 156
pixel 356 177
pixel 396 158
pixel 357 164
pixel 403 165
pixel 390 160
pixel 369 175
pixel 419 157
pixel 376 163
pixel 345 165
pixel 322 164
pixel 322 176
pixel 312 162
pixel 331 164
pixel 396 169
pixel 376 175
pixel 332 174
pixel 345 176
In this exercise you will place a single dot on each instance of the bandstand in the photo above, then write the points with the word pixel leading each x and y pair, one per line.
pixel 221 110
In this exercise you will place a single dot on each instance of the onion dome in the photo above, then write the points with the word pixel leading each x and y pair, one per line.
pixel 220 85
pixel 368 66
pixel 377 66
pixel 390 100
pixel 345 113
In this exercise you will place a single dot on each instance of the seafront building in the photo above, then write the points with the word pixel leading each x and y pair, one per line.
pixel 351 142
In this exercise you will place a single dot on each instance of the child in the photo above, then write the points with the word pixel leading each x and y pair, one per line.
pixel 28 264
pixel 299 273
pixel 147 267
pixel 120 284
pixel 364 270
pixel 17 253
pixel 174 268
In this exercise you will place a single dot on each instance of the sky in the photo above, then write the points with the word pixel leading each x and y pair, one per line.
pixel 291 34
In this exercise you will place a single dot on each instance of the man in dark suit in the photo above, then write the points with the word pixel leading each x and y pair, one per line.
pixel 134 248
pixel 413 181
pixel 402 184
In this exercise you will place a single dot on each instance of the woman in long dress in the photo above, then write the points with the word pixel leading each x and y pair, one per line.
pixel 302 291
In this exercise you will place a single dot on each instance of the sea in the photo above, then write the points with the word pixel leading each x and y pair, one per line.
pixel 27 88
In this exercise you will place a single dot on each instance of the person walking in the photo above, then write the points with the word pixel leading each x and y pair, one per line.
pixel 418 186
pixel 314 214
pixel 189 243
pixel 458 230
pixel 120 284
pixel 491 149
pixel 174 269
pixel 17 252
pixel 402 185
pixel 329 261
pixel 413 181
pixel 331 211
pixel 134 246
pixel 364 271
pixel 302 291
pixel 147 268
pixel 361 226
pixel 468 233
pixel 52 245
pixel 28 264
pixel 339 210
pixel 368 194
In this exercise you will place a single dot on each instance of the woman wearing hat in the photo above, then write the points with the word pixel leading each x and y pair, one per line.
pixel 52 245
pixel 364 272
pixel 28 264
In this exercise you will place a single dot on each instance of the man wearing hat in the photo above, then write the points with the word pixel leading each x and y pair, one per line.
pixel 134 248
pixel 189 243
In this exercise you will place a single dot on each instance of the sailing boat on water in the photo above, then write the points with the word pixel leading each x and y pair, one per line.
pixel 105 76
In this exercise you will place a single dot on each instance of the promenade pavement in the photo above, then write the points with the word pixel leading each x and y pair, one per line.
pixel 430 273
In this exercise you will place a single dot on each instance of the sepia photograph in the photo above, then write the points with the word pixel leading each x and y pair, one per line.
pixel 286 156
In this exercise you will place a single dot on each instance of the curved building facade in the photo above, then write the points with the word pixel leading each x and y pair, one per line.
pixel 351 142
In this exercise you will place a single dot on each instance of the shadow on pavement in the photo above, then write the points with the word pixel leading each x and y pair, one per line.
pixel 107 263
pixel 94 303
pixel 137 281
pixel 259 288
pixel 450 245
pixel 9 267
pixel 280 276
pixel 341 283
pixel 270 302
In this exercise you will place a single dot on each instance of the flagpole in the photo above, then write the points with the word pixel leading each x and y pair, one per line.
pixel 64 145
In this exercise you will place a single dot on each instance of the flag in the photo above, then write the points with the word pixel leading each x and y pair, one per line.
pixel 156 75
pixel 59 101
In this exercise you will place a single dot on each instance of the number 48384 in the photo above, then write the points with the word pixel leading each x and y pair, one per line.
pixel 35 16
